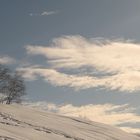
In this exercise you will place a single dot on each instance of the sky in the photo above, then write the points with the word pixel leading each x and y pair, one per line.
pixel 78 57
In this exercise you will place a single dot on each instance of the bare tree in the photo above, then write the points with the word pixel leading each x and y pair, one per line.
pixel 11 86
pixel 4 76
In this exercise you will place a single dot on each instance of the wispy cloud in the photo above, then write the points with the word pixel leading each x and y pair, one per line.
pixel 47 13
pixel 131 130
pixel 75 81
pixel 7 60
pixel 44 13
pixel 112 64
pixel 107 113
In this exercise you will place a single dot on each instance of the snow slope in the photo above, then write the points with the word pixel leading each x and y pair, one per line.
pixel 23 123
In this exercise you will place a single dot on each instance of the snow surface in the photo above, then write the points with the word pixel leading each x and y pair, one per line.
pixel 23 123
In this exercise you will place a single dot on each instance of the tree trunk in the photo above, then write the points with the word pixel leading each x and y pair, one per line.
pixel 8 100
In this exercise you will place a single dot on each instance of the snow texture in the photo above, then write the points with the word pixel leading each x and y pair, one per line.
pixel 24 123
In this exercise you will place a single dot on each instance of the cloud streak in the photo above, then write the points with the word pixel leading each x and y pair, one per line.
pixel 44 13
pixel 116 63
pixel 78 82
pixel 7 60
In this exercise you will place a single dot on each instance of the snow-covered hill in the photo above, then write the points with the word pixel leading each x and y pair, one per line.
pixel 23 123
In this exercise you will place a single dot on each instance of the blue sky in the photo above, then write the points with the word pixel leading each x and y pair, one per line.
pixel 74 52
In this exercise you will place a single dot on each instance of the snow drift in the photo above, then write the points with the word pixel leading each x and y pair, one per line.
pixel 23 123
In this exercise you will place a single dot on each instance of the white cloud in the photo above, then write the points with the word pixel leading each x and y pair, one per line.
pixel 117 60
pixel 104 113
pixel 57 78
pixel 76 52
pixel 44 13
pixel 78 82
pixel 7 60
pixel 47 13
pixel 131 130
